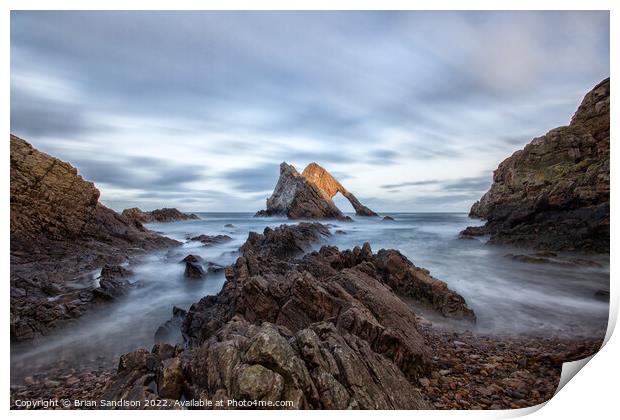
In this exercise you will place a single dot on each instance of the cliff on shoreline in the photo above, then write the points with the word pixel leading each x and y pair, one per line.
pixel 59 234
pixel 554 194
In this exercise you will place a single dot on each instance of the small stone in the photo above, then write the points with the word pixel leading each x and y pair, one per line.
pixel 72 381
pixel 50 383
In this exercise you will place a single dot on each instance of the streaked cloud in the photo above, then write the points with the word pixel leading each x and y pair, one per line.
pixel 409 108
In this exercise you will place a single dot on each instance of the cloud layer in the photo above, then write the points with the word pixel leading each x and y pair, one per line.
pixel 413 110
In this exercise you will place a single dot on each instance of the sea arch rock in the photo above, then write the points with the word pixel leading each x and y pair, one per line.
pixel 329 186
pixel 309 195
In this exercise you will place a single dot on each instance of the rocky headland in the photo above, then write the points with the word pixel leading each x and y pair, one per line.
pixel 61 237
pixel 309 195
pixel 554 194
pixel 165 215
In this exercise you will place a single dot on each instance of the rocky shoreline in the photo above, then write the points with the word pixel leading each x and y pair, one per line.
pixel 554 194
pixel 470 371
pixel 326 329
pixel 480 372
pixel 61 237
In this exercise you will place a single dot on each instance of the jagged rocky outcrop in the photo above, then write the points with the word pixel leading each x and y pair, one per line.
pixel 309 195
pixel 324 329
pixel 554 194
pixel 60 235
pixel 164 215
pixel 209 240
pixel 297 198
pixel 330 187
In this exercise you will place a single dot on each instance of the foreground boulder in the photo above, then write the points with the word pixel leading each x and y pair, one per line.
pixel 285 241
pixel 330 187
pixel 324 329
pixel 194 270
pixel 408 280
pixel 554 194
pixel 60 233
pixel 113 282
pixel 165 215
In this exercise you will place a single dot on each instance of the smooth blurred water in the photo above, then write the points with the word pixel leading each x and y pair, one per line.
pixel 509 297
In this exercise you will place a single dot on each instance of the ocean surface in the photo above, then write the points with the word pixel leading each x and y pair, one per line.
pixel 509 297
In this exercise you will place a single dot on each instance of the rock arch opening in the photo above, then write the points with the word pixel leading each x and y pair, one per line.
pixel 343 204
pixel 329 186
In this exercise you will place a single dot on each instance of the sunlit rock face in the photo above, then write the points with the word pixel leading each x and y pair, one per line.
pixel 309 195
pixel 297 198
pixel 554 194
pixel 330 187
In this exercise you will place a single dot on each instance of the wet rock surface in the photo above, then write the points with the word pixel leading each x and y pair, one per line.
pixel 113 282
pixel 325 329
pixel 192 258
pixel 61 236
pixel 554 194
pixel 194 270
pixel 284 242
pixel 553 258
pixel 195 267
pixel 170 331
pixel 408 280
pixel 165 215
pixel 209 240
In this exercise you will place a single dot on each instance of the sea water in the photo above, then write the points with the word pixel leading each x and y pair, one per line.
pixel 509 297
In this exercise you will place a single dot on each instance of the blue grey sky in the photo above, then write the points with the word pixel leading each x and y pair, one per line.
pixel 412 111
